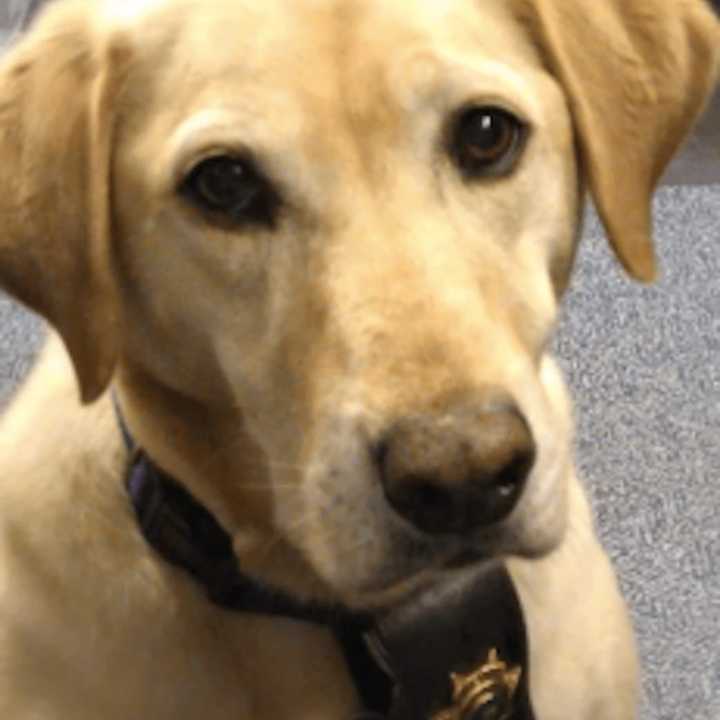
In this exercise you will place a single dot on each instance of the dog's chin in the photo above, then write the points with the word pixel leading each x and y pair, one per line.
pixel 383 597
pixel 397 582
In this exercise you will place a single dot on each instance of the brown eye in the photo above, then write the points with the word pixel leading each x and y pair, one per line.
pixel 486 141
pixel 232 188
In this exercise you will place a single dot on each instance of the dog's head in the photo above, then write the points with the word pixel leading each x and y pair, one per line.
pixel 330 238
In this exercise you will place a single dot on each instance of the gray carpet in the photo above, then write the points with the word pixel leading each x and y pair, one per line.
pixel 645 367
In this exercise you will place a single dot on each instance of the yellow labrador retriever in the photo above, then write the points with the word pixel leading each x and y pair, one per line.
pixel 313 251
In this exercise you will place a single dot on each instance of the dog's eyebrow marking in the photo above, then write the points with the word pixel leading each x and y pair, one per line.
pixel 420 73
pixel 221 130
pixel 126 11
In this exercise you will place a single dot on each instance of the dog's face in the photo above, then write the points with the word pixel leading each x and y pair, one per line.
pixel 344 227
pixel 366 271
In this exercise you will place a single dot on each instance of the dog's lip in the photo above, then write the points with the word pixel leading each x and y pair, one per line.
pixel 396 593
pixel 466 558
pixel 404 589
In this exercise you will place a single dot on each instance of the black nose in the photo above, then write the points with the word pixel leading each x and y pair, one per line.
pixel 458 470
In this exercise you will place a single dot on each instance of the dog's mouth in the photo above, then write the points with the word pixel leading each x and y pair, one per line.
pixel 403 589
pixel 466 559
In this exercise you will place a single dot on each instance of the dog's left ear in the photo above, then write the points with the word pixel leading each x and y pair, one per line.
pixel 637 74
pixel 56 114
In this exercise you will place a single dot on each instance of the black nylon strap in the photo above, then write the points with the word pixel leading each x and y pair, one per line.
pixel 185 534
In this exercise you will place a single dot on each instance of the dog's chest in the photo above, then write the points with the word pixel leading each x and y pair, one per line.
pixel 95 625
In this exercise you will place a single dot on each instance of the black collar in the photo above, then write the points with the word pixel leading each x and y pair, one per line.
pixel 187 535
pixel 458 653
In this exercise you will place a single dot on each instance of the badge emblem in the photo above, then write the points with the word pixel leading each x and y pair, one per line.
pixel 483 694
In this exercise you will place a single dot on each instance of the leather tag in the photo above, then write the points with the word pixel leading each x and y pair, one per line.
pixel 458 651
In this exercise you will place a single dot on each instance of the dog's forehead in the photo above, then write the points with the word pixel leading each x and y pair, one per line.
pixel 315 83
pixel 315 39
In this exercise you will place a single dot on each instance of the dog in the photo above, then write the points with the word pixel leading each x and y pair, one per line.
pixel 309 255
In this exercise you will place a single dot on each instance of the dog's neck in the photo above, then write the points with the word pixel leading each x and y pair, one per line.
pixel 182 532
pixel 209 450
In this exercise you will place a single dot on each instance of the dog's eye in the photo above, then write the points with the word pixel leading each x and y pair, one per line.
pixel 486 141
pixel 232 188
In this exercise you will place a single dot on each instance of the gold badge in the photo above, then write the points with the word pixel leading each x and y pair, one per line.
pixel 483 694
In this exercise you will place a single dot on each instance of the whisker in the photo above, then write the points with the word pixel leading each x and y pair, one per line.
pixel 220 448
pixel 266 485
pixel 282 534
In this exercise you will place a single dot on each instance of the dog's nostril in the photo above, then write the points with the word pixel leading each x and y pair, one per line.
pixel 378 453
pixel 502 492
pixel 420 495
pixel 430 502
pixel 451 477
pixel 430 506
pixel 515 473
pixel 430 496
pixel 506 489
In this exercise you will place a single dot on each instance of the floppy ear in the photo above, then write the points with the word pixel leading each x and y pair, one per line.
pixel 637 74
pixel 56 105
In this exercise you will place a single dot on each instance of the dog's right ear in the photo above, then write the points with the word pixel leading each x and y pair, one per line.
pixel 57 89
